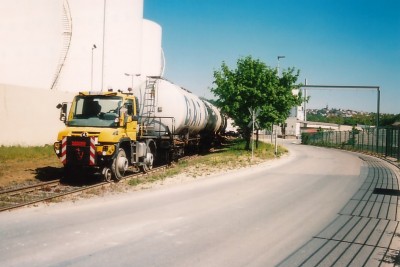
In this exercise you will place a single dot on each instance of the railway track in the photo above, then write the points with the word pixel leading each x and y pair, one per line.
pixel 27 195
pixel 47 191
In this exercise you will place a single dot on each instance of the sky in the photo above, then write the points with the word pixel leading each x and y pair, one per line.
pixel 331 42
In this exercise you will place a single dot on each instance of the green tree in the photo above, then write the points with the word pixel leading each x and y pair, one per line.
pixel 253 85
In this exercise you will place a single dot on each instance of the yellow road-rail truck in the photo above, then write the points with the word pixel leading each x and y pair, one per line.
pixel 102 133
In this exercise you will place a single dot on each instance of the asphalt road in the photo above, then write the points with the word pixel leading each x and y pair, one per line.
pixel 252 217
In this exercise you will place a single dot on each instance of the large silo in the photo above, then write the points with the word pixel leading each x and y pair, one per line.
pixel 152 56
pixel 32 50
pixel 30 42
pixel 35 41
pixel 115 28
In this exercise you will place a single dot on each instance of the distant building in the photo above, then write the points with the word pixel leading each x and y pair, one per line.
pixel 396 124
pixel 312 127
pixel 292 126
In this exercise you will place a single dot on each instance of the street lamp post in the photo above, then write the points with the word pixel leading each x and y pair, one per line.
pixel 91 69
pixel 132 75
pixel 140 90
pixel 279 57
pixel 272 127
pixel 103 50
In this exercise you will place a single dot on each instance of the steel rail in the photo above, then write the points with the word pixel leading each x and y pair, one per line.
pixel 75 190
pixel 29 187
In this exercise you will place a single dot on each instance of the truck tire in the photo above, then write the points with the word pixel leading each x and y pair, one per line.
pixel 119 165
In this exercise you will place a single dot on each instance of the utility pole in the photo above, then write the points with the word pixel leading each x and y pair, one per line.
pixel 305 101
pixel 91 70
pixel 104 38
pixel 254 113
pixel 279 57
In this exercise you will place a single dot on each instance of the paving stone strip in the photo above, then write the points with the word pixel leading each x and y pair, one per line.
pixel 366 231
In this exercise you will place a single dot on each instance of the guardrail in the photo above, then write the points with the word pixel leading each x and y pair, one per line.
pixel 383 141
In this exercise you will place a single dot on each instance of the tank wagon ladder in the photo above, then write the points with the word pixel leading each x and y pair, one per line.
pixel 149 103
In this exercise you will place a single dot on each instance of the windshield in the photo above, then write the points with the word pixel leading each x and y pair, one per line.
pixel 96 111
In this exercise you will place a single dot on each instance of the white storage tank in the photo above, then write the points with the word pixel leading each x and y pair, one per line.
pixel 30 42
pixel 122 22
pixel 36 42
pixel 152 55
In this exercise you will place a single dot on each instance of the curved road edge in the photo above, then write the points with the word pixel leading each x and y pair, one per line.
pixel 366 231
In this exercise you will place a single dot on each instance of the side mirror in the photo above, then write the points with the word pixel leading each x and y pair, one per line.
pixel 122 116
pixel 63 111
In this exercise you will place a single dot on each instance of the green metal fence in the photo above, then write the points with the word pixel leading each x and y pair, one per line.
pixel 383 141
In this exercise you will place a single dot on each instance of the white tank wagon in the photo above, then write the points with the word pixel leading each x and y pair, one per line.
pixel 216 122
pixel 168 109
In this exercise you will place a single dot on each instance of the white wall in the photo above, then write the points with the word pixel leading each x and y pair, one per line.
pixel 28 116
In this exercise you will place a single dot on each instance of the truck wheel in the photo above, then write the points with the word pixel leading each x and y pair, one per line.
pixel 119 165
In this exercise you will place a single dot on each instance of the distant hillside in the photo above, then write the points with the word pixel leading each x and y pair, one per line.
pixel 350 117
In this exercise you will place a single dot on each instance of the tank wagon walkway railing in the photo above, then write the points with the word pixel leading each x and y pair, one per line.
pixel 383 141
pixel 366 232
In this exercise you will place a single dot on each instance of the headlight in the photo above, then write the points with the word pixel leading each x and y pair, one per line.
pixel 57 147
pixel 106 150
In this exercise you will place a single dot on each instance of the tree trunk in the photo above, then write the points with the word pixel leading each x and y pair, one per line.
pixel 257 138
pixel 247 136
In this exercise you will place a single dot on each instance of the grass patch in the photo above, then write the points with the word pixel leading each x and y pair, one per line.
pixel 19 164
pixel 174 170
pixel 231 156
pixel 25 153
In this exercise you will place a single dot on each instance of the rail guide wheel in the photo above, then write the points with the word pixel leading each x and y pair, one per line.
pixel 148 162
pixel 107 175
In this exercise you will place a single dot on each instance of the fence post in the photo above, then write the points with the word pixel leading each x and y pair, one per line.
pixel 398 144
pixel 362 140
pixel 377 140
pixel 384 141
pixel 391 142
pixel 368 134
pixel 337 143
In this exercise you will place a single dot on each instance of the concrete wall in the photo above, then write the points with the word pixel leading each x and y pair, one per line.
pixel 28 116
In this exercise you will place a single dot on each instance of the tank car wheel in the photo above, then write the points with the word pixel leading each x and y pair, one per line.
pixel 119 165
pixel 148 162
